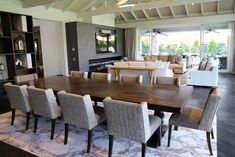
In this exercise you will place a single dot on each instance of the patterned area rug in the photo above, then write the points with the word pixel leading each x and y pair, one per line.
pixel 184 142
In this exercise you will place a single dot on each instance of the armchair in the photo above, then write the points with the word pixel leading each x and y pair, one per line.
pixel 203 78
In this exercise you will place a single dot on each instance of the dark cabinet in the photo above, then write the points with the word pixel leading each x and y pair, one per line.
pixel 17 55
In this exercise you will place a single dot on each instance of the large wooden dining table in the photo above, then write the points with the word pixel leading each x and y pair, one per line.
pixel 169 98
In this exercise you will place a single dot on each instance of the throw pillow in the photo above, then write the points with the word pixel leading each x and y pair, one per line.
pixel 209 65
pixel 202 65
pixel 179 60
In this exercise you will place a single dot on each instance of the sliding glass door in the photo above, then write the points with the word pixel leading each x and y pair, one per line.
pixel 198 41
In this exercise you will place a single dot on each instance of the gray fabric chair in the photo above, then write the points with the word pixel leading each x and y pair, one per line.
pixel 78 74
pixel 101 76
pixel 18 97
pixel 196 118
pixel 167 80
pixel 130 78
pixel 78 111
pixel 44 104
pixel 131 121
pixel 24 78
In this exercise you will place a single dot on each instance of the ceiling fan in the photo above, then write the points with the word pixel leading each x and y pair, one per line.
pixel 159 32
pixel 211 30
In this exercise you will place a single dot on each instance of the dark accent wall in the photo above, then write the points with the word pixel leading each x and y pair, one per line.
pixel 86 48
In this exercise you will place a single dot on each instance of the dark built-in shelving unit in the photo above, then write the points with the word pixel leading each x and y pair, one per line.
pixel 15 29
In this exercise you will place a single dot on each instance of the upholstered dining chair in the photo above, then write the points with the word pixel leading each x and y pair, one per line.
pixel 130 78
pixel 24 78
pixel 131 121
pixel 101 76
pixel 78 111
pixel 44 104
pixel 166 80
pixel 196 118
pixel 78 74
pixel 18 97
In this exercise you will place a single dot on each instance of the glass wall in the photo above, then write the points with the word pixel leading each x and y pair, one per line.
pixel 203 41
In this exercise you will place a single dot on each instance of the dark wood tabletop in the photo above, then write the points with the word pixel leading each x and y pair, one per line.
pixel 162 97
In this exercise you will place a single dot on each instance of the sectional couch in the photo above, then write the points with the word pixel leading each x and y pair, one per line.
pixel 177 64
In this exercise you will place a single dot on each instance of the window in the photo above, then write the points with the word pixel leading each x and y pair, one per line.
pixel 203 41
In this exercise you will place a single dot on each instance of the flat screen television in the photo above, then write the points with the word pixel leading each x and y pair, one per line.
pixel 105 41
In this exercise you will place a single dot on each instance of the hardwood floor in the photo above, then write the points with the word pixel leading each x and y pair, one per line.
pixel 225 122
pixel 226 117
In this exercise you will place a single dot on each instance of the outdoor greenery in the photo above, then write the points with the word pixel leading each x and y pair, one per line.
pixel 195 48
pixel 212 49
pixel 180 50
pixel 145 46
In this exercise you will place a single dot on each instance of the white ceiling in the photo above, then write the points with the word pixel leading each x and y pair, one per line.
pixel 142 11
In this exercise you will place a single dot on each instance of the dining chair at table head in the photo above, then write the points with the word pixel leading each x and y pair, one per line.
pixel 78 111
pixel 131 121
pixel 44 104
pixel 166 80
pixel 18 97
pixel 101 76
pixel 196 118
pixel 78 74
pixel 24 78
pixel 130 78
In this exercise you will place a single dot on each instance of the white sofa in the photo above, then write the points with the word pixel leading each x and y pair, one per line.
pixel 203 78
pixel 162 69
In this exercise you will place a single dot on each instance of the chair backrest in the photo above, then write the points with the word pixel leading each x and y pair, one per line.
pixel 43 102
pixel 18 97
pixel 101 76
pixel 127 120
pixel 167 80
pixel 210 109
pixel 24 78
pixel 130 78
pixel 78 74
pixel 77 110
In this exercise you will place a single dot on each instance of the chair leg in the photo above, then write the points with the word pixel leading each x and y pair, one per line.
pixel 169 135
pixel 159 135
pixel 52 128
pixel 176 128
pixel 27 120
pixel 110 145
pixel 212 133
pixel 143 149
pixel 66 133
pixel 89 141
pixel 13 116
pixel 35 122
pixel 209 142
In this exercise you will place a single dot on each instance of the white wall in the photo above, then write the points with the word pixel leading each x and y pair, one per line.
pixel 53 46
pixel 107 20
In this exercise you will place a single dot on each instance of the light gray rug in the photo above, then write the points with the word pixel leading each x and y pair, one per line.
pixel 184 142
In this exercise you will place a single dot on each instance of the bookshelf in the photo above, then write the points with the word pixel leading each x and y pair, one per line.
pixel 17 54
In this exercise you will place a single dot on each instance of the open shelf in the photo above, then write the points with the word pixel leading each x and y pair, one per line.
pixel 16 45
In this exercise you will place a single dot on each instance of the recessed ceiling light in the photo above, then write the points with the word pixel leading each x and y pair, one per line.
pixel 192 3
